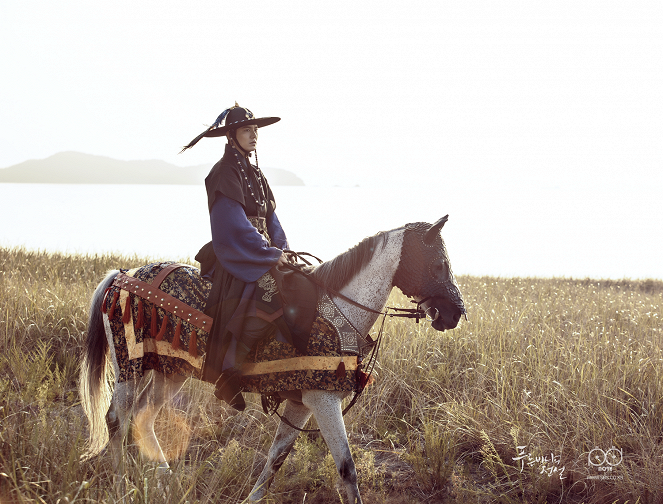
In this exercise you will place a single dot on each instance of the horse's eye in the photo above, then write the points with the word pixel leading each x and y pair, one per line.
pixel 440 268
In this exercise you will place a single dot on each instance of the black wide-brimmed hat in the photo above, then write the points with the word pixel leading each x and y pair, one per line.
pixel 230 119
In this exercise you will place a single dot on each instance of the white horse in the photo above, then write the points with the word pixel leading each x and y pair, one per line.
pixel 412 258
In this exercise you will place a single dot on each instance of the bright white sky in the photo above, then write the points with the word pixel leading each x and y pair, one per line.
pixel 456 93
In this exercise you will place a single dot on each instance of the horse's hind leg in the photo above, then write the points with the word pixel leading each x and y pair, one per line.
pixel 297 414
pixel 156 390
pixel 326 407
pixel 118 419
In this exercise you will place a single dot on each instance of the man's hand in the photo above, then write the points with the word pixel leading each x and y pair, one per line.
pixel 282 260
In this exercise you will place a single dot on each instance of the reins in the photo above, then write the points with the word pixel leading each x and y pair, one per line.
pixel 271 403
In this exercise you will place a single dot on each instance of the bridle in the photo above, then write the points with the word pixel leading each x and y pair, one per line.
pixel 428 317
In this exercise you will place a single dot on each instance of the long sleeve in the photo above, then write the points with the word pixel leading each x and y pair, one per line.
pixel 238 246
pixel 276 232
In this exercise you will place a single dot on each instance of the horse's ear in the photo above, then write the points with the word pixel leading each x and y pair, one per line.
pixel 434 230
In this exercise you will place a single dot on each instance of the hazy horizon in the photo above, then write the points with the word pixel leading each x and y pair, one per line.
pixel 486 234
pixel 81 168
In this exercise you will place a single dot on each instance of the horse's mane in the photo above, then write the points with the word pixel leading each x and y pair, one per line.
pixel 337 272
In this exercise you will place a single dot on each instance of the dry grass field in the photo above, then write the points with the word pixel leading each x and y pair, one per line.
pixel 551 392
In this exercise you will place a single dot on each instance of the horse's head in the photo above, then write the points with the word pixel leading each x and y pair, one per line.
pixel 424 273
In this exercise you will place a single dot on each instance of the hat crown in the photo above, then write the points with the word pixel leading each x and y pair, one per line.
pixel 238 115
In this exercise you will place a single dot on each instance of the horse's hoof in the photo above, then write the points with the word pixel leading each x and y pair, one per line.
pixel 163 469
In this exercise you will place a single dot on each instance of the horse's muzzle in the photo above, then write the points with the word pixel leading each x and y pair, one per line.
pixel 442 313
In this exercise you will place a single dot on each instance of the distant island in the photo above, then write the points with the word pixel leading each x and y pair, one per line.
pixel 79 168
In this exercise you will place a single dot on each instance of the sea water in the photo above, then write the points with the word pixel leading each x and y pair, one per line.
pixel 542 235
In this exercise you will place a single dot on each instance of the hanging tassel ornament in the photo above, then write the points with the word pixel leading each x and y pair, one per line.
pixel 164 327
pixel 364 379
pixel 340 371
pixel 153 322
pixel 193 344
pixel 176 339
pixel 126 316
pixel 112 308
pixel 141 316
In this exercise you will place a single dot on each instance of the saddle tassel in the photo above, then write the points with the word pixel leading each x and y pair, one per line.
pixel 340 371
pixel 153 322
pixel 103 302
pixel 364 379
pixel 193 344
pixel 176 338
pixel 126 316
pixel 164 326
pixel 112 308
pixel 139 322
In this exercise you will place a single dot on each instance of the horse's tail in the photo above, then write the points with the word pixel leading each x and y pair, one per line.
pixel 94 387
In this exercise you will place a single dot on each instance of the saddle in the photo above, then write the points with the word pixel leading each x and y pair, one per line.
pixel 299 297
pixel 298 294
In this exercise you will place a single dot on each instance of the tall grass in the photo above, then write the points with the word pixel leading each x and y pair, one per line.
pixel 506 408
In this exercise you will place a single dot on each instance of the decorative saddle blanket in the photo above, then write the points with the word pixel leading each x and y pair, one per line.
pixel 154 316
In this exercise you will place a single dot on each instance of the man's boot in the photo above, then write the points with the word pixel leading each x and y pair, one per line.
pixel 227 388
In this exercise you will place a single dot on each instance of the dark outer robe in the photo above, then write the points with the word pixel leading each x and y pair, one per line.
pixel 243 251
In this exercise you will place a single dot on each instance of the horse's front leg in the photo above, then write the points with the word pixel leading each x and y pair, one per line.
pixel 297 414
pixel 326 407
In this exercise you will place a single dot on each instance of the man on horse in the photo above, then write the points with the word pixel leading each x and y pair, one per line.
pixel 247 242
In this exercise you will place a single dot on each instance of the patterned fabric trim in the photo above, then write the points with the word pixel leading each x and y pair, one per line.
pixel 348 335
pixel 170 304
pixel 143 336
pixel 111 343
pixel 323 343
pixel 300 364
pixel 150 345
pixel 260 223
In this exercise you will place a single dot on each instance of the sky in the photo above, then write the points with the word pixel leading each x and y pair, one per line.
pixel 511 96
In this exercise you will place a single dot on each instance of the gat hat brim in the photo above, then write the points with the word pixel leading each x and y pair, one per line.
pixel 260 122
pixel 230 119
